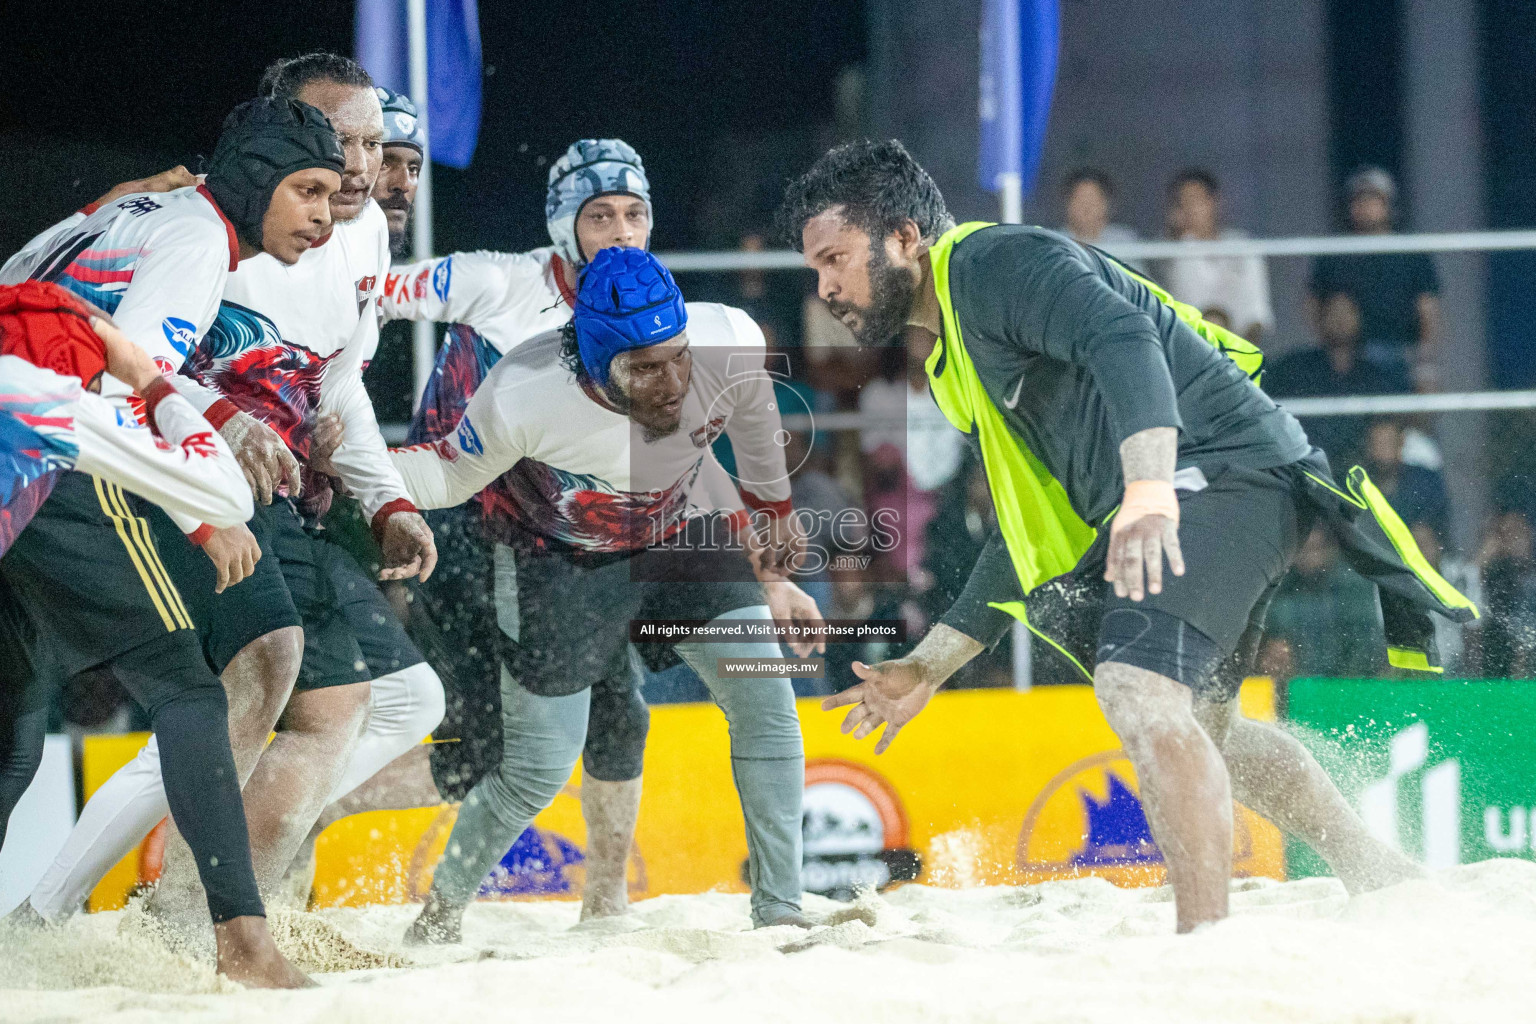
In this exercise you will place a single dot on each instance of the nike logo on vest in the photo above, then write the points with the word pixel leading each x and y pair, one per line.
pixel 1012 401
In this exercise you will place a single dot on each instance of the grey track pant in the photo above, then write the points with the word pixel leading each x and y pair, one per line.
pixel 542 738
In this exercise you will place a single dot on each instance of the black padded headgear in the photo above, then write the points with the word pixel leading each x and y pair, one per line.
pixel 264 141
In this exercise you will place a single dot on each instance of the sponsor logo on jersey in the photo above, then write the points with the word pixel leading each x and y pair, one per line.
pixel 138 206
pixel 446 451
pixel 365 285
pixel 200 444
pixel 442 278
pixel 182 335
pixel 469 440
pixel 420 285
pixel 705 436
pixel 854 828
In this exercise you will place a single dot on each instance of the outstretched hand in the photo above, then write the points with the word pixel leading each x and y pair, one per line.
pixel 1136 551
pixel 891 694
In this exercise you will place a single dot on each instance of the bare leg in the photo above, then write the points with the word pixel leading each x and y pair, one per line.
pixel 404 783
pixel 610 810
pixel 1184 785
pixel 1275 775
pixel 258 682
pixel 286 792
pixel 247 954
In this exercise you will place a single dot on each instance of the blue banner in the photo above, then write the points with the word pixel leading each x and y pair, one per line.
pixel 1019 42
pixel 453 68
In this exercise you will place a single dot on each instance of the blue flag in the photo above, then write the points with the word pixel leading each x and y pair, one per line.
pixel 453 68
pixel 1019 40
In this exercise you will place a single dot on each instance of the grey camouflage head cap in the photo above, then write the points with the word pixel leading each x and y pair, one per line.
pixel 590 168
pixel 402 125
pixel 1371 179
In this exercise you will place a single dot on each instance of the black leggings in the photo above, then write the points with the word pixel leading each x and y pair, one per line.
pixel 190 716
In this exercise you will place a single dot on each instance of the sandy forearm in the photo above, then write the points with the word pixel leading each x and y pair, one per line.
pixel 1150 454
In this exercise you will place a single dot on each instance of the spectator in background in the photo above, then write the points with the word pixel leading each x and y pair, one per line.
pixel 1338 366
pixel 1230 290
pixel 1417 494
pixel 1088 200
pixel 1398 292
pixel 1323 620
pixel 1509 589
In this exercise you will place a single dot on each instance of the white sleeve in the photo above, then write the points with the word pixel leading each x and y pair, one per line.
pixel 191 472
pixel 465 288
pixel 482 447
pixel 20 266
pixel 362 461
pixel 172 301
pixel 753 421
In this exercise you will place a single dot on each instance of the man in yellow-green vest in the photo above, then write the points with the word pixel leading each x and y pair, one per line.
pixel 1118 431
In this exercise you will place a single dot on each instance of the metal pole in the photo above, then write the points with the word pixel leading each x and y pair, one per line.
pixel 1011 188
pixel 424 339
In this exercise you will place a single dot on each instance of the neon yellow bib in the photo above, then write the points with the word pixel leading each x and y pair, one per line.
pixel 1045 536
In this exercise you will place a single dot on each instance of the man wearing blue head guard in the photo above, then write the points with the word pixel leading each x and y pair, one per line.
pixel 598 196
pixel 601 432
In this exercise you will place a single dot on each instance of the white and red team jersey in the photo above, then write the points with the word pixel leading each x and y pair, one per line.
pixel 49 423
pixel 507 297
pixel 579 472
pixel 290 342
pixel 496 301
pixel 156 262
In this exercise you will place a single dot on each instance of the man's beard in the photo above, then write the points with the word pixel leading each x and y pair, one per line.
pixel 892 293
pixel 399 241
pixel 626 405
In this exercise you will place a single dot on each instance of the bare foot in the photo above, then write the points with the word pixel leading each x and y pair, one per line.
pixel 248 955
pixel 1378 868
pixel 438 925
pixel 604 900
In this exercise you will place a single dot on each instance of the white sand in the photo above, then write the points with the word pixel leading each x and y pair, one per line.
pixel 1461 948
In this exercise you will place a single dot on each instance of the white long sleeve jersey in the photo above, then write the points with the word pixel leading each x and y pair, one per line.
pixel 49 423
pixel 577 471
pixel 157 262
pixel 290 342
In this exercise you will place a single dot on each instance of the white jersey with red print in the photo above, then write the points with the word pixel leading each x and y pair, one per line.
pixel 581 473
pixel 290 342
pixel 507 297
pixel 50 423
pixel 157 262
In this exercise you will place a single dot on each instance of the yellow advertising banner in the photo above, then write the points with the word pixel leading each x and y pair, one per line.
pixel 988 787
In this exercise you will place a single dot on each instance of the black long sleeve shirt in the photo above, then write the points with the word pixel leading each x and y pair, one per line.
pixel 1078 355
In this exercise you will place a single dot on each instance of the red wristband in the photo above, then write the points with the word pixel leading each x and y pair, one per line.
pixel 777 509
pixel 153 394
pixel 200 535
pixel 220 413
pixel 390 508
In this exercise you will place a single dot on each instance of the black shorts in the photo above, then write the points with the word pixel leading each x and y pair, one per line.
pixel 249 610
pixel 89 578
pixel 351 634
pixel 1238 535
pixel 564 616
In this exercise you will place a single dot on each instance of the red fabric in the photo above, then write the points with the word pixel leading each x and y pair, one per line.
pixel 153 395
pixel 229 229
pixel 200 535
pixel 382 515
pixel 557 267
pixel 50 328
pixel 220 413
pixel 90 208
pixel 777 509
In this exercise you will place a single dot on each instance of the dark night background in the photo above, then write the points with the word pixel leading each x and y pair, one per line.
pixel 92 93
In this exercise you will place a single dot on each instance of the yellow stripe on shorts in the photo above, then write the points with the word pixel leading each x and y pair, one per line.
pixel 140 527
pixel 121 522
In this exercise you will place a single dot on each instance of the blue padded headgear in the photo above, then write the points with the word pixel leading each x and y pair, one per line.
pixel 626 300
pixel 402 126
pixel 590 168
